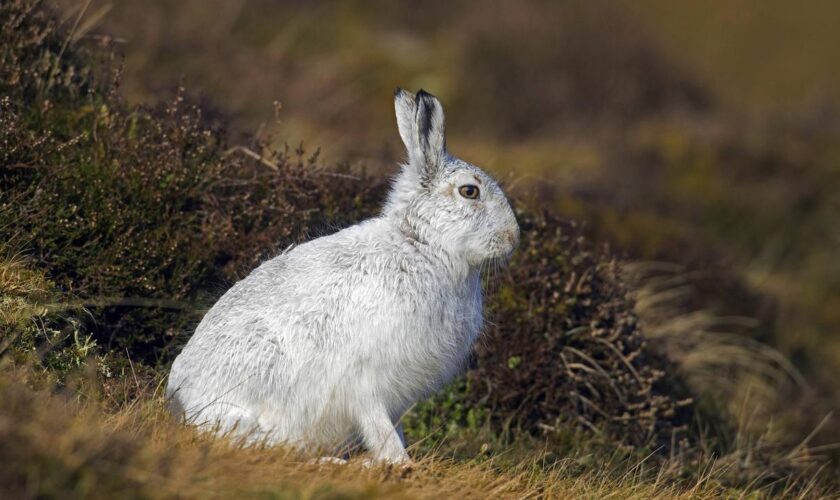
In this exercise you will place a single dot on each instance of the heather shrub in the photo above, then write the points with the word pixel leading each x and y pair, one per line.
pixel 564 340
pixel 141 213
pixel 563 343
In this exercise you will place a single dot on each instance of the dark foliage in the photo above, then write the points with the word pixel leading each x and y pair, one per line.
pixel 563 342
pixel 141 213
pixel 563 345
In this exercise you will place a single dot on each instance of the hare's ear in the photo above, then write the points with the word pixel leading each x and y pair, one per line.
pixel 422 129
pixel 430 130
pixel 405 109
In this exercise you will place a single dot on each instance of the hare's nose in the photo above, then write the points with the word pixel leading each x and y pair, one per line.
pixel 512 237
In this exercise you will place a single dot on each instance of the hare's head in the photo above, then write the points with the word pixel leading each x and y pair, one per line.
pixel 442 200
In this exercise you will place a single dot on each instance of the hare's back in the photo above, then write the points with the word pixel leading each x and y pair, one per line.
pixel 300 294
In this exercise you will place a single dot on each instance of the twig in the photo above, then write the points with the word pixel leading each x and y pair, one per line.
pixel 133 373
pixel 251 153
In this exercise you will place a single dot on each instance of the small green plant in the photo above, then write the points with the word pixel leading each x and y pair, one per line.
pixel 447 416
pixel 35 329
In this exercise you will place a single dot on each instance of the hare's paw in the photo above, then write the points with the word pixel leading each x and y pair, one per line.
pixel 328 461
pixel 400 470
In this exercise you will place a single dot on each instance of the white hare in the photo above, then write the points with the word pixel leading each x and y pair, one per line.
pixel 330 342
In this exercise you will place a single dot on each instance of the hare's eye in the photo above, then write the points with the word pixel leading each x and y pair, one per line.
pixel 469 191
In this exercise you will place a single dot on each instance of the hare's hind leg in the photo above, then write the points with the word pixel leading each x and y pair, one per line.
pixel 231 421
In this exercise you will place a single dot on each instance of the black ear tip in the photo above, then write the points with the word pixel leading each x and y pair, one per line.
pixel 425 97
pixel 398 92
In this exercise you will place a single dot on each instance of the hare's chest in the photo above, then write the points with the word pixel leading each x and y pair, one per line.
pixel 436 337
pixel 459 317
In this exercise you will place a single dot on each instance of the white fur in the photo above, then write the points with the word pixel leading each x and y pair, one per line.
pixel 330 342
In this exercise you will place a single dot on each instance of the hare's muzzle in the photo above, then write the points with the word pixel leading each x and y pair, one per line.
pixel 506 242
pixel 512 238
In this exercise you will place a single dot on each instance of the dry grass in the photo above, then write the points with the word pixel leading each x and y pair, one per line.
pixel 70 444
pixel 713 351
pixel 746 381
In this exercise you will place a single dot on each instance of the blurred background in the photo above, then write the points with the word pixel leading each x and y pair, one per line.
pixel 704 135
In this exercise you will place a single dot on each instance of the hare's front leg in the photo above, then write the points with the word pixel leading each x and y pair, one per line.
pixel 382 439
pixel 401 435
